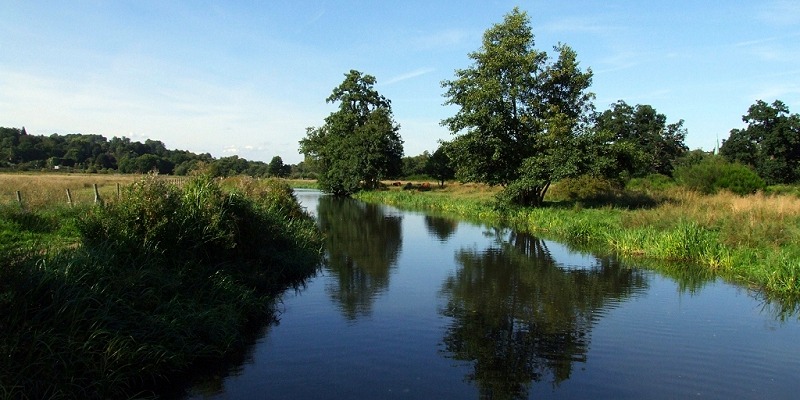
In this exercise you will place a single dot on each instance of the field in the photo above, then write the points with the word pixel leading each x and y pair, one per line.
pixel 39 190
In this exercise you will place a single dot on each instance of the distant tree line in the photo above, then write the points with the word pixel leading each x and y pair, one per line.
pixel 20 151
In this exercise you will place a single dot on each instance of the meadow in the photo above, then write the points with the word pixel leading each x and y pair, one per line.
pixel 750 240
pixel 40 190
pixel 133 296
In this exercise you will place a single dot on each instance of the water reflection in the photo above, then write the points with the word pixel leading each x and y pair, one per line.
pixel 518 317
pixel 440 227
pixel 363 243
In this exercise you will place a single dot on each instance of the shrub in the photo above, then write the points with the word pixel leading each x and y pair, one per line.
pixel 256 221
pixel 653 183
pixel 792 190
pixel 584 188
pixel 714 174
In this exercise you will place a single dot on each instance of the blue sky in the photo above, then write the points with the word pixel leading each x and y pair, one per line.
pixel 247 77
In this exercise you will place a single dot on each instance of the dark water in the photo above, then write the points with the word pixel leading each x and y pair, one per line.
pixel 416 306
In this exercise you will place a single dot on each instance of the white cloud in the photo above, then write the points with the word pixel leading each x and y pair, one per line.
pixel 408 75
pixel 191 115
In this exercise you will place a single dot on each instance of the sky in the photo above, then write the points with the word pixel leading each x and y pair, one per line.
pixel 247 78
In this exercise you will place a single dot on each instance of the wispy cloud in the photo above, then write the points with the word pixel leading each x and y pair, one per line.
pixel 621 60
pixel 409 75
pixel 781 13
pixel 776 48
pixel 316 17
pixel 577 24
pixel 445 38
pixel 782 91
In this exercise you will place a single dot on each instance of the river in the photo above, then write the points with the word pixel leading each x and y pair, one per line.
pixel 417 306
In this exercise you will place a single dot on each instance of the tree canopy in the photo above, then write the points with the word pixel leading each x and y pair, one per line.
pixel 641 141
pixel 522 121
pixel 439 165
pixel 359 144
pixel 770 143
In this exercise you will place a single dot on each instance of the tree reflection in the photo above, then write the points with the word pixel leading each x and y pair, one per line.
pixel 363 243
pixel 519 318
pixel 441 227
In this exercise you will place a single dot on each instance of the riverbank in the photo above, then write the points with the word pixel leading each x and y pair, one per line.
pixel 131 298
pixel 752 241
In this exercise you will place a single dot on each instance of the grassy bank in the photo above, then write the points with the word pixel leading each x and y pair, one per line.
pixel 128 299
pixel 752 240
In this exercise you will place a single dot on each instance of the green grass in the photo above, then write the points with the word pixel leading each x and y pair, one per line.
pixel 752 241
pixel 128 299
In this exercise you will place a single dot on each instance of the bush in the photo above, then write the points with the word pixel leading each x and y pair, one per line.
pixel 714 174
pixel 201 222
pixel 653 183
pixel 792 190
pixel 584 188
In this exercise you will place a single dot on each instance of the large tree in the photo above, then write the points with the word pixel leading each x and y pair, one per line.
pixel 770 143
pixel 641 141
pixel 521 120
pixel 359 144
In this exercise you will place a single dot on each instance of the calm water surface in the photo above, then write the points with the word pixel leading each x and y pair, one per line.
pixel 422 307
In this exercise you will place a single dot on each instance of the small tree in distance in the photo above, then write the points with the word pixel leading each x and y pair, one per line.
pixel 277 168
pixel 770 143
pixel 439 167
pixel 359 144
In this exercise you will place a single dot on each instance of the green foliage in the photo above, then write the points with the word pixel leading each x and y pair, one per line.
pixel 651 183
pixel 416 165
pixel 793 190
pixel 521 119
pixel 94 153
pixel 199 222
pixel 439 165
pixel 359 144
pixel 584 188
pixel 770 143
pixel 641 141
pixel 167 279
pixel 714 174
pixel 278 168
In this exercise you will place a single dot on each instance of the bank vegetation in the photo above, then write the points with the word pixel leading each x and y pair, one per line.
pixel 752 240
pixel 132 296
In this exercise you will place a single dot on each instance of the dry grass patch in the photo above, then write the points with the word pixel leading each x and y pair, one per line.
pixel 49 189
pixel 752 221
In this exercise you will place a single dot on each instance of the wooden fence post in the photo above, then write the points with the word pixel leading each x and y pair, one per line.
pixel 118 191
pixel 69 197
pixel 19 199
pixel 97 198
